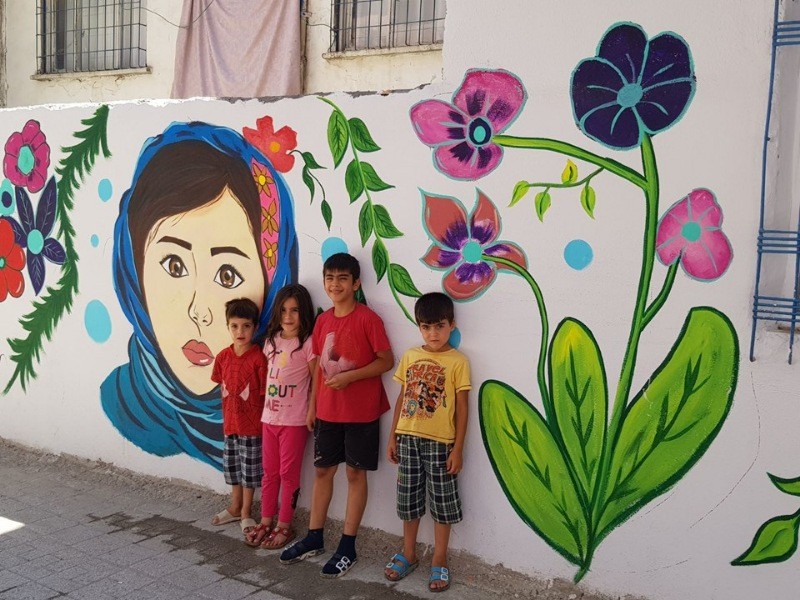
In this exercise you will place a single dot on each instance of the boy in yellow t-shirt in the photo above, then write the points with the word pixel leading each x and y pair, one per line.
pixel 427 439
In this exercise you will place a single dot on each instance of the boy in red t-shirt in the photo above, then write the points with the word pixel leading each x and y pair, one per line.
pixel 353 351
pixel 241 371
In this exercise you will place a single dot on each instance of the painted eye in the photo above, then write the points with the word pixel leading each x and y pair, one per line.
pixel 228 277
pixel 174 266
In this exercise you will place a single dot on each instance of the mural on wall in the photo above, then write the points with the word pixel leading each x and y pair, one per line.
pixel 361 179
pixel 776 540
pixel 175 267
pixel 583 466
pixel 31 239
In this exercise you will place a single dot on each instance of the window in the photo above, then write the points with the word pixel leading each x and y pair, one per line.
pixel 370 24
pixel 75 36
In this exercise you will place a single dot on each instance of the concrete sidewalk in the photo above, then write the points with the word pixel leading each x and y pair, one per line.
pixel 85 530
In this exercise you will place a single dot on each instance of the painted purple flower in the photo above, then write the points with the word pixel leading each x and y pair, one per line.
pixel 461 133
pixel 690 231
pixel 32 232
pixel 27 157
pixel 634 86
pixel 459 242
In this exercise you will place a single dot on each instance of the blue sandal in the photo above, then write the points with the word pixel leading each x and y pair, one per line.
pixel 400 567
pixel 439 574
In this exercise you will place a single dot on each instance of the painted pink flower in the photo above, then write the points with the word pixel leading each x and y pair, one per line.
pixel 460 241
pixel 461 133
pixel 27 157
pixel 12 261
pixel 690 231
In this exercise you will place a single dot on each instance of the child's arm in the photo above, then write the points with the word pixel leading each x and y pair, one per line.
pixel 383 362
pixel 391 449
pixel 456 458
pixel 311 414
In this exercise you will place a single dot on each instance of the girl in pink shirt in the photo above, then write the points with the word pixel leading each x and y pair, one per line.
pixel 285 424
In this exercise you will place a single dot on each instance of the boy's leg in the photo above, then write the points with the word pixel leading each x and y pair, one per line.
pixel 356 499
pixel 247 501
pixel 321 496
pixel 232 471
pixel 235 507
pixel 252 473
pixel 441 540
pixel 410 503
pixel 445 503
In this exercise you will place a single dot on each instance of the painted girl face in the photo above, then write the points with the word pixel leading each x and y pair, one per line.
pixel 195 262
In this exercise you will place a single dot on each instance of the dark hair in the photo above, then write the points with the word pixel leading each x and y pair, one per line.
pixel 242 308
pixel 184 176
pixel 433 307
pixel 306 310
pixel 342 262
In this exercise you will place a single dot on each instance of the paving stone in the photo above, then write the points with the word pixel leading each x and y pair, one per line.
pixel 159 566
pixel 227 589
pixel 193 578
pixel 29 591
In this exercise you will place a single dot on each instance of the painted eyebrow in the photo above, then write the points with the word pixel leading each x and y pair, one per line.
pixel 229 250
pixel 173 240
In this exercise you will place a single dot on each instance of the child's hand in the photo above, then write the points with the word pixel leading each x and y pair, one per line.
pixel 454 462
pixel 338 381
pixel 391 449
pixel 311 418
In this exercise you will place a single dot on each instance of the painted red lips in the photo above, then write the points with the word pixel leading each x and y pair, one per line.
pixel 198 353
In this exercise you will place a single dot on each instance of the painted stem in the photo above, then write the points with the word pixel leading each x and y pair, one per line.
pixel 609 164
pixel 578 183
pixel 537 292
pixel 659 300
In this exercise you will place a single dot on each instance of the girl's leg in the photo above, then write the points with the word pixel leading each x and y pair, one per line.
pixel 271 480
pixel 292 447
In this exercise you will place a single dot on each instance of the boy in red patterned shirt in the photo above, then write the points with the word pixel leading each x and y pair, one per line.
pixel 241 371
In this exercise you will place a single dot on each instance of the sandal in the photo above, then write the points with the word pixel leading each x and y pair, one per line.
pixel 400 567
pixel 248 525
pixel 271 544
pixel 299 551
pixel 439 574
pixel 257 535
pixel 223 517
pixel 337 565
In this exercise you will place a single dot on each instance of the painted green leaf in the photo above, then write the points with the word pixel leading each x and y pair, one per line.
pixel 383 223
pixel 531 470
pixel 362 140
pixel 775 541
pixel 588 200
pixel 365 223
pixel 310 161
pixel 570 173
pixel 327 213
pixel 787 486
pixel 338 136
pixel 542 204
pixel 519 192
pixel 380 259
pixel 309 182
pixel 371 179
pixel 675 417
pixel 580 399
pixel 402 282
pixel 353 181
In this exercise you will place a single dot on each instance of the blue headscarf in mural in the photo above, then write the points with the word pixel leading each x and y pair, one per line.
pixel 144 399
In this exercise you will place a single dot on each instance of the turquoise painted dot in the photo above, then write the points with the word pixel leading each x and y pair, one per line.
pixel 578 254
pixel 630 95
pixel 2 262
pixel 35 241
pixel 97 321
pixel 472 252
pixel 455 338
pixel 25 160
pixel 331 246
pixel 95 241
pixel 691 231
pixel 105 190
pixel 6 198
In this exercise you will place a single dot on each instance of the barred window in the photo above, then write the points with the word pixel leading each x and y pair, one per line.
pixel 74 36
pixel 371 24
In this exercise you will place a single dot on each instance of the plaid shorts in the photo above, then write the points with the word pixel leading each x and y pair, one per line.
pixel 241 460
pixel 423 467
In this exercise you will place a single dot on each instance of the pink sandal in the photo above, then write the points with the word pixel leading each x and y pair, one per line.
pixel 255 537
pixel 269 543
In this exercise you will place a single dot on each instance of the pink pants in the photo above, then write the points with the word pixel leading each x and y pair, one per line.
pixel 282 447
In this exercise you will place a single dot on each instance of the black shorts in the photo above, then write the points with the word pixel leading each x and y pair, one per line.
pixel 353 443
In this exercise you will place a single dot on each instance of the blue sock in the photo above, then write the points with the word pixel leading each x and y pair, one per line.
pixel 347 546
pixel 315 538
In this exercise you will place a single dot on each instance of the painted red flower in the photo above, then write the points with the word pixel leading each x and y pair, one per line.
pixel 12 261
pixel 27 157
pixel 275 145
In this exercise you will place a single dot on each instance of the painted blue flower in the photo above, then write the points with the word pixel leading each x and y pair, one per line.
pixel 634 86
pixel 6 198
pixel 32 232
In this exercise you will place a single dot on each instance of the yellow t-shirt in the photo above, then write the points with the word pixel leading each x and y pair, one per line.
pixel 430 381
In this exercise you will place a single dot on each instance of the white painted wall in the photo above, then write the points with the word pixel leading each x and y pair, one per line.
pixel 681 544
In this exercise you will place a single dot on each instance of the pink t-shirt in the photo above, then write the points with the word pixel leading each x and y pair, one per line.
pixel 288 381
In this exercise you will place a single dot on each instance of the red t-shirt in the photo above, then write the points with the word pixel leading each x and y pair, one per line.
pixel 242 379
pixel 343 344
